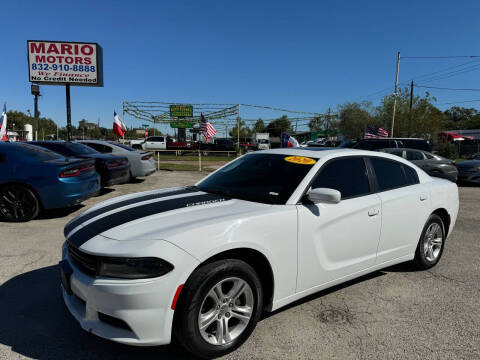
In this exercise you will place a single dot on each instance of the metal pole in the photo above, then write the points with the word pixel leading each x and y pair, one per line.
pixel 199 160
pixel 411 106
pixel 69 113
pixel 36 115
pixel 395 94
pixel 238 129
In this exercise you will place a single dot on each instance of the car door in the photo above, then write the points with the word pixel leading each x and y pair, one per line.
pixel 150 143
pixel 336 240
pixel 405 207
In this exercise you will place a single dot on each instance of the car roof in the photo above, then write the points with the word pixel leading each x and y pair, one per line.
pixel 331 152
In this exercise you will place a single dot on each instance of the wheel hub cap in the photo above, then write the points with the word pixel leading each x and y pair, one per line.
pixel 433 242
pixel 226 311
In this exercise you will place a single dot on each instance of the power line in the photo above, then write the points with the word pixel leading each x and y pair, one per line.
pixel 458 102
pixel 441 57
pixel 445 88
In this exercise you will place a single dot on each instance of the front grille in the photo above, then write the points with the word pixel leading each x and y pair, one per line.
pixel 86 262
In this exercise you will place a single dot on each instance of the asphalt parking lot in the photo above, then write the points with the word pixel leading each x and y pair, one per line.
pixel 396 313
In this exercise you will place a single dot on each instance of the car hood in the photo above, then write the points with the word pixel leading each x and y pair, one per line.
pixel 468 164
pixel 153 215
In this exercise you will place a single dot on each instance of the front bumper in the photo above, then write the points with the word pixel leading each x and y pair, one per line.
pixel 133 312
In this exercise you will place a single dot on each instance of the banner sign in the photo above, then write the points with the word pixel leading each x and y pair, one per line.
pixel 181 124
pixel 59 63
pixel 181 110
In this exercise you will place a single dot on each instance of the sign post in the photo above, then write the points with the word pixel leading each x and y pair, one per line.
pixel 65 63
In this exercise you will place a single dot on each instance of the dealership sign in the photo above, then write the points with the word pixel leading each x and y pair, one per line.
pixel 181 110
pixel 60 63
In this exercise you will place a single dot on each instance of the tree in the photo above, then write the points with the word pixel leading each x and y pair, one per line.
pixel 278 126
pixel 353 117
pixel 461 118
pixel 259 126
pixel 316 124
pixel 424 120
pixel 245 131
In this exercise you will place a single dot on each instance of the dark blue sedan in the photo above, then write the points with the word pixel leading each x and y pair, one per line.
pixel 33 178
pixel 113 169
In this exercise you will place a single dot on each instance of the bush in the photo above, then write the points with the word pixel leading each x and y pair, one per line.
pixel 447 150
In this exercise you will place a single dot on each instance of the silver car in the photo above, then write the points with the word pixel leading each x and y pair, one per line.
pixel 142 163
pixel 432 164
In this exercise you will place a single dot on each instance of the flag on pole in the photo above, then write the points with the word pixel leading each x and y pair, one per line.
pixel 372 132
pixel 289 141
pixel 119 127
pixel 3 124
pixel 206 128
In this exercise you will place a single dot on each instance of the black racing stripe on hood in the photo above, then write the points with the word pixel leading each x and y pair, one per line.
pixel 82 218
pixel 113 220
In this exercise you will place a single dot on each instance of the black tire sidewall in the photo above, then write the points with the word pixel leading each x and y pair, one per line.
pixel 196 289
pixel 420 259
pixel 32 195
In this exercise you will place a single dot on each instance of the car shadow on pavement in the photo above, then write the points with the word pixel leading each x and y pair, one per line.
pixel 321 293
pixel 58 213
pixel 36 324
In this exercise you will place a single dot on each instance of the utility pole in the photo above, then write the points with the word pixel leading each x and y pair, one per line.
pixel 411 106
pixel 238 130
pixel 69 113
pixel 35 89
pixel 395 94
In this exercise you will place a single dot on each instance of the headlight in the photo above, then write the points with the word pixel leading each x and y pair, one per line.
pixel 133 268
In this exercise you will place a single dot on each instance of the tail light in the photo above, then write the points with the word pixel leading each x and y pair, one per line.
pixel 147 157
pixel 75 171
pixel 114 163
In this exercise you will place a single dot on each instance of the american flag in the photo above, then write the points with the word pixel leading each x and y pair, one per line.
pixel 372 132
pixel 206 128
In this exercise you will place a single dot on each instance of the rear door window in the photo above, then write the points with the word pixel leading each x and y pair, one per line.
pixel 389 173
pixel 347 175
pixel 411 175
pixel 414 155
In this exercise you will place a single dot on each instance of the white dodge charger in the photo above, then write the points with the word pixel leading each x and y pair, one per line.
pixel 201 263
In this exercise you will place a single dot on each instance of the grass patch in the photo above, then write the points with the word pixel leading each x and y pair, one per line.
pixel 183 167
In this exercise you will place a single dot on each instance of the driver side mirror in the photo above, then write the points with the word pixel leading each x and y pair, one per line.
pixel 324 195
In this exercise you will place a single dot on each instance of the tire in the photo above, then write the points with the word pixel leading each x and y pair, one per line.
pixel 18 203
pixel 197 302
pixel 431 244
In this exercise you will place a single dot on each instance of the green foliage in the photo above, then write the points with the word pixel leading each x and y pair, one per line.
pixel 353 117
pixel 245 132
pixel 447 150
pixel 278 126
pixel 259 126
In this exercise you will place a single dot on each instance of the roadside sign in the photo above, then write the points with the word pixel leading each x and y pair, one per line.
pixel 181 110
pixel 61 62
pixel 145 126
pixel 181 124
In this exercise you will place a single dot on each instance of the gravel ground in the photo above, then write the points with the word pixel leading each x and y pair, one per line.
pixel 390 314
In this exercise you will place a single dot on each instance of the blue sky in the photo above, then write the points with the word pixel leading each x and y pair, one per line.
pixel 301 55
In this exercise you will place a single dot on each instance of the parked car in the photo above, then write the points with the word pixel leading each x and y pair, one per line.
pixel 141 163
pixel 432 164
pixel 469 171
pixel 218 144
pixel 112 169
pixel 33 178
pixel 384 143
pixel 202 263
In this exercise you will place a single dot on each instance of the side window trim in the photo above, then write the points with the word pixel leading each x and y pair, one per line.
pixel 403 166
pixel 309 186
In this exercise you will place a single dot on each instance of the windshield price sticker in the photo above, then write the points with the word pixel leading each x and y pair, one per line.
pixel 300 160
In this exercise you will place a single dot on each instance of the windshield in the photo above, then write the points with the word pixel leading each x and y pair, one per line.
pixel 263 141
pixel 80 149
pixel 36 152
pixel 265 178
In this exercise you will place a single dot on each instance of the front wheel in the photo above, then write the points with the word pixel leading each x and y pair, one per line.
pixel 431 243
pixel 219 308
pixel 18 203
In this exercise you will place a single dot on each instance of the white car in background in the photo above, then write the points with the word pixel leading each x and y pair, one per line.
pixel 201 263
pixel 142 163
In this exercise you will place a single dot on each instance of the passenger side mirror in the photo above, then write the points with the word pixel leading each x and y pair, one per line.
pixel 324 195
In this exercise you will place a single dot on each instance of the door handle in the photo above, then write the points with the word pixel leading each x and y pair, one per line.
pixel 423 197
pixel 373 212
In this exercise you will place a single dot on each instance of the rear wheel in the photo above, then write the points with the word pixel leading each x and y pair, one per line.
pixel 431 243
pixel 18 203
pixel 219 308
